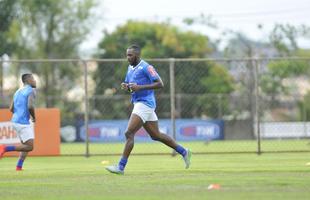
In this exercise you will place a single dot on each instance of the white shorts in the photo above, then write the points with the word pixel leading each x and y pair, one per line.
pixel 144 112
pixel 24 131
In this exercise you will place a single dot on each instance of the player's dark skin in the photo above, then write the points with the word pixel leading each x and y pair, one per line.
pixel 135 122
pixel 27 146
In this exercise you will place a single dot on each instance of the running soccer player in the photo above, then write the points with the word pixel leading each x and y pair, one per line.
pixel 140 81
pixel 22 108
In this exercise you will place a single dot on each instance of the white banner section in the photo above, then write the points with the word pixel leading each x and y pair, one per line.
pixel 8 134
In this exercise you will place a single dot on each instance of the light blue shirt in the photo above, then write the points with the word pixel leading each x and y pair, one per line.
pixel 21 113
pixel 142 74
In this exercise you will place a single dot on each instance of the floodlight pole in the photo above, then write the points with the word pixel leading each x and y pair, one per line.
pixel 172 99
pixel 86 114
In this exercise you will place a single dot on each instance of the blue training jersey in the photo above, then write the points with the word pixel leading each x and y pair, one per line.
pixel 142 74
pixel 21 113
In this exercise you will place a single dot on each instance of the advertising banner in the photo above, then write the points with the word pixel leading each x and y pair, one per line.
pixel 8 134
pixel 186 130
pixel 46 130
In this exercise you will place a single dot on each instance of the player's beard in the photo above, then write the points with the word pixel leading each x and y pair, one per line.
pixel 136 61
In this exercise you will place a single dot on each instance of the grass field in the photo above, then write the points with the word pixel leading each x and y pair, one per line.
pixel 271 176
pixel 198 147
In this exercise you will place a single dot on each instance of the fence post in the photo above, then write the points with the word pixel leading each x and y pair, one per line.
pixel 1 77
pixel 86 114
pixel 172 98
pixel 304 117
pixel 220 109
pixel 257 121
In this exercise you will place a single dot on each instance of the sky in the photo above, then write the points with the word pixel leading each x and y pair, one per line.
pixel 237 15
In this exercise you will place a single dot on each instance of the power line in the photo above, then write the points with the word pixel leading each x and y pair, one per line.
pixel 290 11
pixel 269 12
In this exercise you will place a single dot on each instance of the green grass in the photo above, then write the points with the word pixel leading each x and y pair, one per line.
pixel 201 147
pixel 271 176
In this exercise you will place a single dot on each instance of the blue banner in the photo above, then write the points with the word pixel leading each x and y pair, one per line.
pixel 186 130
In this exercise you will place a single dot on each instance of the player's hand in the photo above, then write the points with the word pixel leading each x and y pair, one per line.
pixel 124 86
pixel 133 87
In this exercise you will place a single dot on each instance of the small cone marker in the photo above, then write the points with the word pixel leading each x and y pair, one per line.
pixel 105 162
pixel 214 187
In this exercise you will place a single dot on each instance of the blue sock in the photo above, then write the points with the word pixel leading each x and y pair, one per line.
pixel 10 148
pixel 180 150
pixel 20 163
pixel 122 163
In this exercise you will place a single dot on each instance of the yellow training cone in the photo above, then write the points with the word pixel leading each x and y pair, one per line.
pixel 105 162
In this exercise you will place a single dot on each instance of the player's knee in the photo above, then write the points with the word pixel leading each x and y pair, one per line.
pixel 129 135
pixel 29 148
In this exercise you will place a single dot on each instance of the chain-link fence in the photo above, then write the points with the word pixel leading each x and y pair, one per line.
pixel 209 105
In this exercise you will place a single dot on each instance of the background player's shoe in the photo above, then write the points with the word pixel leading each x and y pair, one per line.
pixel 19 169
pixel 2 150
pixel 115 169
pixel 187 158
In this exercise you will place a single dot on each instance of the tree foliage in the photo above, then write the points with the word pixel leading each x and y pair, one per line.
pixel 47 29
pixel 284 38
pixel 159 40
pixel 7 16
pixel 52 29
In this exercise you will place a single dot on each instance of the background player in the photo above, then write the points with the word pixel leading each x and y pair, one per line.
pixel 22 108
pixel 141 80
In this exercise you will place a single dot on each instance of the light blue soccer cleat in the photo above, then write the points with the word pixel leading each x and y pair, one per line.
pixel 115 169
pixel 187 158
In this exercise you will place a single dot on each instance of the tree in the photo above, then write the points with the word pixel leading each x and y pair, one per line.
pixel 47 29
pixel 53 29
pixel 158 40
pixel 284 38
pixel 7 16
